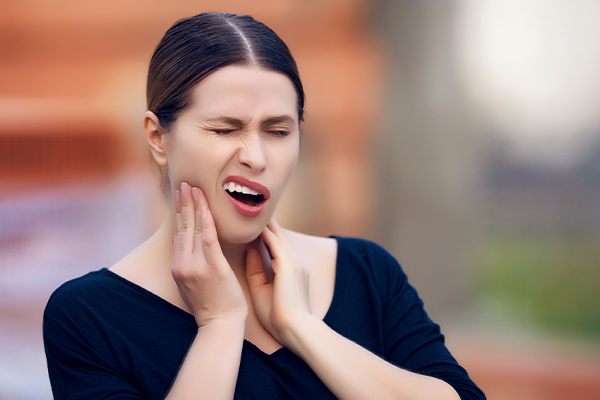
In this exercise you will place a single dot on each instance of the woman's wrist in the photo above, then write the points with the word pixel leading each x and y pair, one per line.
pixel 293 335
pixel 228 322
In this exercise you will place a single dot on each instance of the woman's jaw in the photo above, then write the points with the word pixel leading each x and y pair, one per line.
pixel 232 227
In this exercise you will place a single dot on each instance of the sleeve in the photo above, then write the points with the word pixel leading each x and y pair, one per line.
pixel 76 367
pixel 412 340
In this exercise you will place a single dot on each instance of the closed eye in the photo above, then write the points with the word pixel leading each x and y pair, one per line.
pixel 223 131
pixel 228 131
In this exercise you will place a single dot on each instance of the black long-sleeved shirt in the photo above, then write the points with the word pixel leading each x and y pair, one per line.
pixel 107 338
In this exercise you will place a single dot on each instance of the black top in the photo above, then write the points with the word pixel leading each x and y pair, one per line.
pixel 106 337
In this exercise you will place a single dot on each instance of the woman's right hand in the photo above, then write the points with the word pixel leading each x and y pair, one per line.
pixel 205 280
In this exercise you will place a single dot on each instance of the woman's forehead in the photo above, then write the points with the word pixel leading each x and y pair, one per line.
pixel 234 89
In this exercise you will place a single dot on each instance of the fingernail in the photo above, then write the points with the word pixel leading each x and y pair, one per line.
pixel 185 189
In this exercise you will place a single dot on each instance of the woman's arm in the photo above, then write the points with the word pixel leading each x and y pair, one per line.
pixel 210 289
pixel 209 370
pixel 211 366
pixel 352 372
pixel 414 364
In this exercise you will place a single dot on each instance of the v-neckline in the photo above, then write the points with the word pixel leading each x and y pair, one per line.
pixel 326 317
pixel 247 344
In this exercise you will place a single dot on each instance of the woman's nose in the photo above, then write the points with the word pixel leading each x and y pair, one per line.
pixel 251 151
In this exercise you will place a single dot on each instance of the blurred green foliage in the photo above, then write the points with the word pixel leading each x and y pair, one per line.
pixel 549 281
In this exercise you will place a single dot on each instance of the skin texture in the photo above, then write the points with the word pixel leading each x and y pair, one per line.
pixel 204 239
pixel 203 257
pixel 201 149
pixel 192 151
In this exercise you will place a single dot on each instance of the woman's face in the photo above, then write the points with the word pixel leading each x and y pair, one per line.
pixel 242 121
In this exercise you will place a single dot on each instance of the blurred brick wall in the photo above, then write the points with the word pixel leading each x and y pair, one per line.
pixel 72 87
pixel 76 188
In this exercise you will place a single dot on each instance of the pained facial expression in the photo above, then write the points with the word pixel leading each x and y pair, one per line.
pixel 205 144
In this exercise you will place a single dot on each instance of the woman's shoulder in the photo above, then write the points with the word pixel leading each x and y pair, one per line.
pixel 297 236
pixel 351 249
pixel 78 293
pixel 320 242
pixel 365 249
pixel 306 246
pixel 78 285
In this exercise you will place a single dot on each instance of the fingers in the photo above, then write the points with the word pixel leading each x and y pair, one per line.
pixel 261 287
pixel 255 271
pixel 275 227
pixel 187 220
pixel 206 241
pixel 180 248
pixel 178 222
pixel 277 230
pixel 272 242
pixel 199 211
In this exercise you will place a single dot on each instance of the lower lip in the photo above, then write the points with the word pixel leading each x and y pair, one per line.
pixel 245 209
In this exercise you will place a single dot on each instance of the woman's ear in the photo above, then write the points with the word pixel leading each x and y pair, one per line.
pixel 156 138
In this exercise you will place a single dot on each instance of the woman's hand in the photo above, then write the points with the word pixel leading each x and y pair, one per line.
pixel 205 280
pixel 280 304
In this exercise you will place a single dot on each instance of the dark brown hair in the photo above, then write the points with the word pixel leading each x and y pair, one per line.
pixel 196 46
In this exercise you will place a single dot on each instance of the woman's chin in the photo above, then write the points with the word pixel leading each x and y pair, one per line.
pixel 233 229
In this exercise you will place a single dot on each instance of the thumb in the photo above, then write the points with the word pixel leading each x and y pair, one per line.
pixel 256 275
pixel 261 290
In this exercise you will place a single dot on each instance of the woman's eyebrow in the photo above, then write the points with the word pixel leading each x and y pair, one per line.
pixel 277 119
pixel 265 122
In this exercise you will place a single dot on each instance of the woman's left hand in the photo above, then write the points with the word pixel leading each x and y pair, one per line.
pixel 280 304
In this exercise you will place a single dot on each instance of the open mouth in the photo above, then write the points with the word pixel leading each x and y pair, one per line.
pixel 247 198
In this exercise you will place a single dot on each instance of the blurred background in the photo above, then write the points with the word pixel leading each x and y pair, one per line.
pixel 462 135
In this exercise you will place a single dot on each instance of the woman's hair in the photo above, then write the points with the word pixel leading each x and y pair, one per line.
pixel 196 46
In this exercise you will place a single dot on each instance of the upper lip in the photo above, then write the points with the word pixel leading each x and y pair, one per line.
pixel 250 184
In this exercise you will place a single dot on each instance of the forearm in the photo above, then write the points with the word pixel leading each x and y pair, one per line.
pixel 352 372
pixel 211 366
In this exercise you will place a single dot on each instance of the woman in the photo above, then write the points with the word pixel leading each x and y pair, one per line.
pixel 221 301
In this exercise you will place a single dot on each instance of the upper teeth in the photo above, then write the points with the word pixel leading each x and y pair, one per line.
pixel 232 187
